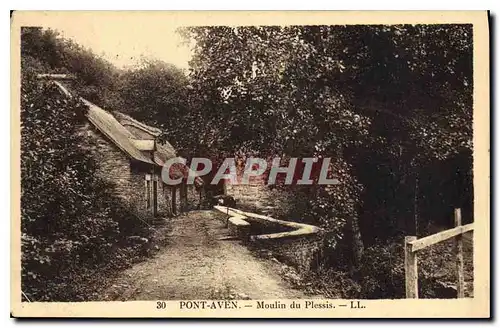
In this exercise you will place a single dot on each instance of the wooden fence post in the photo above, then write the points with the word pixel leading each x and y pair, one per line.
pixel 411 272
pixel 460 256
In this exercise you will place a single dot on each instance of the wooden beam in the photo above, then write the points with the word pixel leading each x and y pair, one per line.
pixel 55 77
pixel 411 269
pixel 460 256
pixel 155 196
pixel 418 244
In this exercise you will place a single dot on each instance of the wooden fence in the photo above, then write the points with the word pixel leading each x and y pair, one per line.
pixel 413 245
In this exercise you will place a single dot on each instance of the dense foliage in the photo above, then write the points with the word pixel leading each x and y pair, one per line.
pixel 391 105
pixel 391 102
pixel 155 93
pixel 45 51
pixel 74 231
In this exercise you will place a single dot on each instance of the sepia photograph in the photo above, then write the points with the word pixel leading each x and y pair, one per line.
pixel 198 165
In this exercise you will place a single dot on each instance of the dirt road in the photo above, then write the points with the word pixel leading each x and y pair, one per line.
pixel 197 264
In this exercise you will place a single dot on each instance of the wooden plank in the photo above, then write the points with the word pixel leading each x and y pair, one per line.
pixel 460 256
pixel 140 144
pixel 411 270
pixel 239 221
pixel 55 77
pixel 439 237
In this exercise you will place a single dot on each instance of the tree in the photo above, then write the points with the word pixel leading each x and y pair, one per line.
pixel 265 90
pixel 45 51
pixel 388 102
pixel 154 92
pixel 415 84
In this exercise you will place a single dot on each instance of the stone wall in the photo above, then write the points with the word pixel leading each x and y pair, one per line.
pixel 194 198
pixel 129 181
pixel 249 195
pixel 293 243
pixel 295 246
pixel 114 167
pixel 166 194
pixel 299 252
pixel 257 198
pixel 164 203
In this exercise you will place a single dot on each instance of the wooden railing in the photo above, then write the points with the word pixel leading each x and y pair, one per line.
pixel 413 245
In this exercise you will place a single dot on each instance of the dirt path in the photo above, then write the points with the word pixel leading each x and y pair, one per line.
pixel 196 264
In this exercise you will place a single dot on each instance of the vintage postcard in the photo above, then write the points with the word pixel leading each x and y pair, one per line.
pixel 250 164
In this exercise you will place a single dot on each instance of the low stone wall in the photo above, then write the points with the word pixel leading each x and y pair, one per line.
pixel 300 252
pixel 239 227
pixel 293 243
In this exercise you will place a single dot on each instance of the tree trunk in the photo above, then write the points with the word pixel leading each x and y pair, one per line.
pixel 415 203
pixel 357 243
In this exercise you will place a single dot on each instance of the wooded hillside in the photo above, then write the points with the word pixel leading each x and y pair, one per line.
pixel 391 105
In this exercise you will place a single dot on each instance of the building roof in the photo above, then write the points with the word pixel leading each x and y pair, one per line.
pixel 117 133
pixel 164 150
pixel 127 120
pixel 55 77
pixel 114 127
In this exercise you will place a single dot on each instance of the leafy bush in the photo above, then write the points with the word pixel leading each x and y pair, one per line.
pixel 333 284
pixel 382 271
pixel 72 226
pixel 381 274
